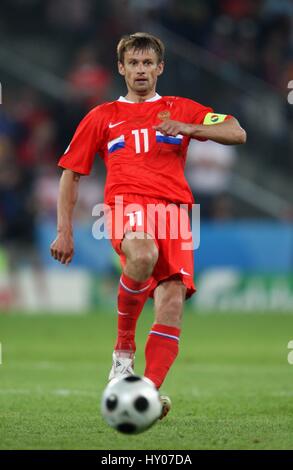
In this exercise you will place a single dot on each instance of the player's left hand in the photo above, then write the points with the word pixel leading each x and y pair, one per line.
pixel 170 127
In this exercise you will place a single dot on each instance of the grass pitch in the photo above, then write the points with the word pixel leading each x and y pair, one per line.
pixel 231 386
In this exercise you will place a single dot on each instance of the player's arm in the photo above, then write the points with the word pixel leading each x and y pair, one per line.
pixel 77 160
pixel 62 248
pixel 228 131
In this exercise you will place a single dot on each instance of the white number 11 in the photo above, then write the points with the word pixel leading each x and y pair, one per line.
pixel 137 140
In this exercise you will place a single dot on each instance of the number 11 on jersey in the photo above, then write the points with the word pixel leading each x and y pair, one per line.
pixel 137 140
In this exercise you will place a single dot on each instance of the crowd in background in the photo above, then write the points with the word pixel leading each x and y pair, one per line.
pixel 34 129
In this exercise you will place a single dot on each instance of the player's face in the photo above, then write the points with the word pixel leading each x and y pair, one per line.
pixel 141 70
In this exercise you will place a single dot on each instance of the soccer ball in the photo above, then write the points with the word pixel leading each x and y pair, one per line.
pixel 131 404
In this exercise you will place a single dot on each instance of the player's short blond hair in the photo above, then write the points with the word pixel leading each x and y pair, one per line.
pixel 141 42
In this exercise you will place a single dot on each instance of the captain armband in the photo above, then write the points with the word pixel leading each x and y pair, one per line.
pixel 213 118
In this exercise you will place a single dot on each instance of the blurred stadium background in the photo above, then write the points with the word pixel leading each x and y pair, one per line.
pixel 57 60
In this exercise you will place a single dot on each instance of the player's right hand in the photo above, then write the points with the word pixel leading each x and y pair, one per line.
pixel 62 248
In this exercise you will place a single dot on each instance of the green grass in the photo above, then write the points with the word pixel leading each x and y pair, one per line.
pixel 231 385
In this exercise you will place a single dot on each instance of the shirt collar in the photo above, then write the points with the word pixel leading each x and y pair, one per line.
pixel 154 98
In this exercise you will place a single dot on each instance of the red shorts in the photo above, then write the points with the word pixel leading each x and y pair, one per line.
pixel 168 224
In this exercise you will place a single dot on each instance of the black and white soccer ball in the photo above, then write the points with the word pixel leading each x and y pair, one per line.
pixel 131 404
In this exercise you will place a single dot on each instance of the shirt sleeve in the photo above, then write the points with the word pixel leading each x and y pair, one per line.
pixel 80 154
pixel 197 114
pixel 200 114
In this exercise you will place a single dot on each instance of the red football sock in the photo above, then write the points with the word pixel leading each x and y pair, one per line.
pixel 132 296
pixel 160 352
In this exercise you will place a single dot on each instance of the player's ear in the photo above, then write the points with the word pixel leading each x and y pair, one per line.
pixel 121 68
pixel 161 68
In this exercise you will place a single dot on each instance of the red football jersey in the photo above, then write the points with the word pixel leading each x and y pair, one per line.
pixel 139 159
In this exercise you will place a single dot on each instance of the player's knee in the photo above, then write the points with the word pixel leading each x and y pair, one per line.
pixel 145 260
pixel 141 258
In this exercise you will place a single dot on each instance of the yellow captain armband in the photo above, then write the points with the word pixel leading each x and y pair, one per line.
pixel 213 118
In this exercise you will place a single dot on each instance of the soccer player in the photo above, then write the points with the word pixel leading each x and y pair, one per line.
pixel 143 139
